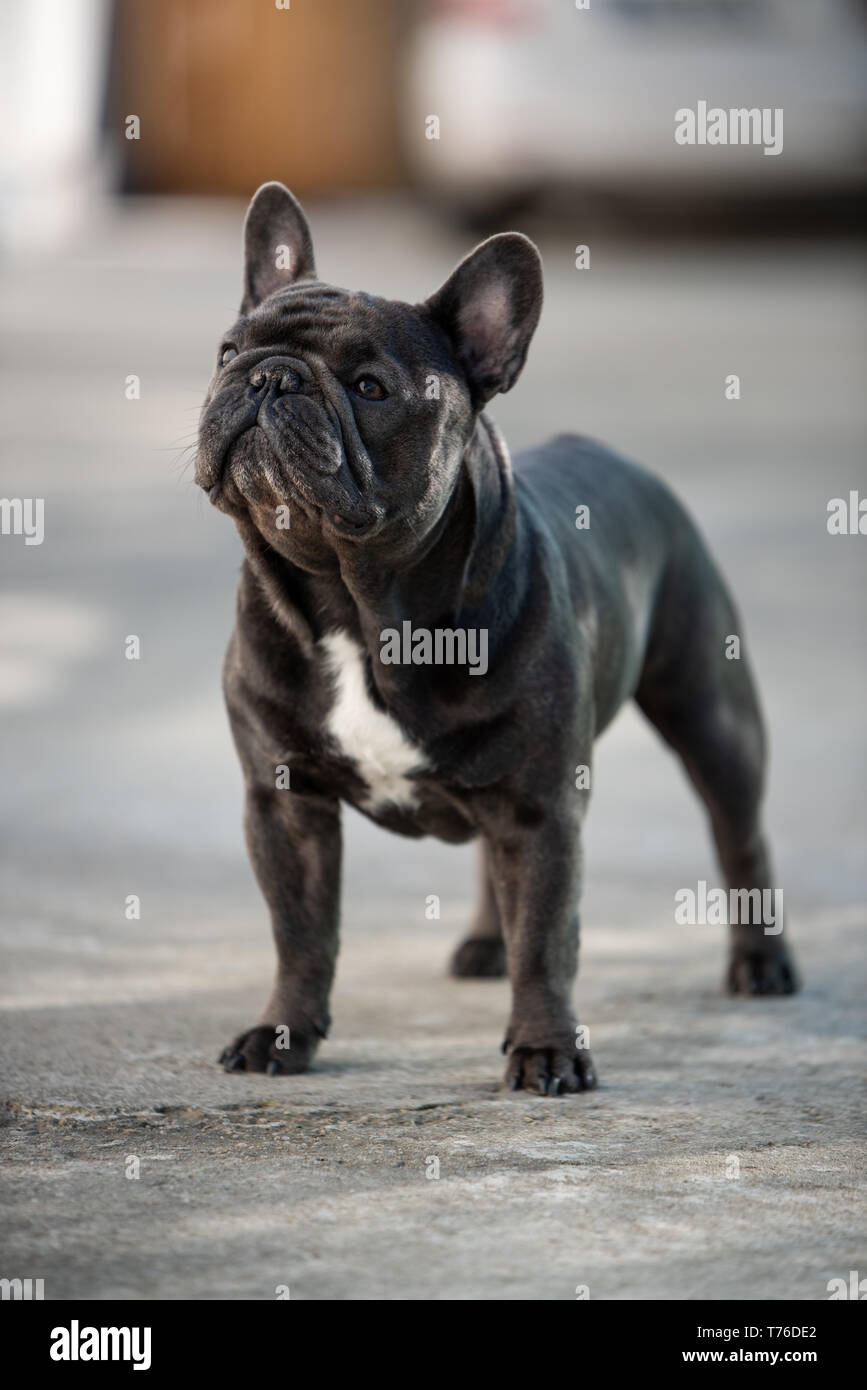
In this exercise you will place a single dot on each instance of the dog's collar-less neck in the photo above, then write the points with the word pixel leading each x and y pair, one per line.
pixel 446 578
pixel 497 443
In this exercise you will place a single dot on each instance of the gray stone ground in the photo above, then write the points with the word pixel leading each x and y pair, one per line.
pixel 119 778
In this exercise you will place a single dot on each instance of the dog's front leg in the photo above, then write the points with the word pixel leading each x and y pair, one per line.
pixel 294 844
pixel 537 874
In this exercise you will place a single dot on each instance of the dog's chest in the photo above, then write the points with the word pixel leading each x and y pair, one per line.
pixel 367 736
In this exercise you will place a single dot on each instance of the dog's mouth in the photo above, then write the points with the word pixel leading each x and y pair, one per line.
pixel 275 436
pixel 251 474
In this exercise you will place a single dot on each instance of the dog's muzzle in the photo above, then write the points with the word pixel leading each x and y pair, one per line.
pixel 296 418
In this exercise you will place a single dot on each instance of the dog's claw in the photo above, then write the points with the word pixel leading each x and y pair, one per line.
pixel 549 1071
pixel 758 973
pixel 256 1051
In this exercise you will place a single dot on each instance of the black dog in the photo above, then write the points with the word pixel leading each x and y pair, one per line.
pixel 429 635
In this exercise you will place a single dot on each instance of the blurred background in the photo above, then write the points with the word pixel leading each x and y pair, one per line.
pixel 535 102
pixel 133 134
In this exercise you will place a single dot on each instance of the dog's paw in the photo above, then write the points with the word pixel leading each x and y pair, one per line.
pixel 550 1071
pixel 761 972
pixel 479 958
pixel 263 1048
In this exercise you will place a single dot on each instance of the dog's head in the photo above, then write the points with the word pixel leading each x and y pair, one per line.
pixel 337 418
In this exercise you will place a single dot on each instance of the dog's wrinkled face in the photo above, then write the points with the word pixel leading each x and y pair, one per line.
pixel 338 418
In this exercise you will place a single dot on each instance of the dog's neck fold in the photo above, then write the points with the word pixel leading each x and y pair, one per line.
pixel 445 581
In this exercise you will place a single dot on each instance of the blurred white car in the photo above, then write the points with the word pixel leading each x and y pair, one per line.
pixel 534 94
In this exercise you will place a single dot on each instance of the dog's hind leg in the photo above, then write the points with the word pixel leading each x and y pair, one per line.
pixel 482 954
pixel 701 697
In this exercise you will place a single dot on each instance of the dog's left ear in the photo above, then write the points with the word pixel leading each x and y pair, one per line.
pixel 277 246
pixel 489 307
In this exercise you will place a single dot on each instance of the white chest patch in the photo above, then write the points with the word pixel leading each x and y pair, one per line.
pixel 366 735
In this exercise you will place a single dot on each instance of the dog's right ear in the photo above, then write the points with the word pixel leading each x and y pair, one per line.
pixel 277 245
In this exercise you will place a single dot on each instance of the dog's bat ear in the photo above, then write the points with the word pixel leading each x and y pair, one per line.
pixel 489 308
pixel 277 245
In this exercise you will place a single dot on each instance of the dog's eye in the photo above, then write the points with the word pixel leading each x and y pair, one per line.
pixel 370 389
pixel 227 354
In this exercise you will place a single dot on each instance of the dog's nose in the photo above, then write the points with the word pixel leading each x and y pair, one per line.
pixel 275 374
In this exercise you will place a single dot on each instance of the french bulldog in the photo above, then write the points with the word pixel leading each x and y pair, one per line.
pixel 389 541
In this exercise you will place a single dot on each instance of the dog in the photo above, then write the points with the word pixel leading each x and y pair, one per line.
pixel 384 527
